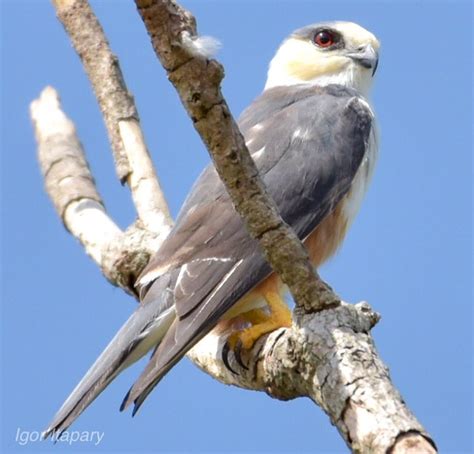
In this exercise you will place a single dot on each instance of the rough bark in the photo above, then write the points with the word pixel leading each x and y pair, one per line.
pixel 70 185
pixel 328 354
pixel 119 112
pixel 197 80
pixel 331 358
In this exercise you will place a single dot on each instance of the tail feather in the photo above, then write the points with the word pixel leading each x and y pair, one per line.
pixel 165 356
pixel 143 330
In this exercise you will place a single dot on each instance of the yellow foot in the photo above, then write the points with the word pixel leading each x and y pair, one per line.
pixel 262 323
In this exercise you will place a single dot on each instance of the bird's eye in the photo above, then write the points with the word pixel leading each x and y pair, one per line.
pixel 324 38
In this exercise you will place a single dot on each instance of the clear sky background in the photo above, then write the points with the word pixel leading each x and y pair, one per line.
pixel 409 253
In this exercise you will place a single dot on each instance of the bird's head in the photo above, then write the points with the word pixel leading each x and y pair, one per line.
pixel 327 53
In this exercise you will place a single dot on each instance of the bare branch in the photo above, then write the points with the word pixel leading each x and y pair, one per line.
pixel 330 357
pixel 102 68
pixel 147 195
pixel 68 180
pixel 71 187
pixel 412 443
pixel 132 160
pixel 327 355
pixel 197 81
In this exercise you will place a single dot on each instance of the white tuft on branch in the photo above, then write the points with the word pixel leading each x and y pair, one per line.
pixel 328 354
pixel 201 46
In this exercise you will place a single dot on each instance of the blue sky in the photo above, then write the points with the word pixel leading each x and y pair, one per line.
pixel 409 252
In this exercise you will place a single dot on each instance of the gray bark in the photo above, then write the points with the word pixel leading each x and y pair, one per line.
pixel 328 354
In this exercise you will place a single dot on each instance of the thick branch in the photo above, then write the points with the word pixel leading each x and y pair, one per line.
pixel 197 80
pixel 327 355
pixel 119 112
pixel 330 357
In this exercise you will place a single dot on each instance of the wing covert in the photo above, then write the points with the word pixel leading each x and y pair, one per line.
pixel 314 140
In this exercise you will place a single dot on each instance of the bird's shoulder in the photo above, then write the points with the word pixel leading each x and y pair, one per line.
pixel 306 129
pixel 290 100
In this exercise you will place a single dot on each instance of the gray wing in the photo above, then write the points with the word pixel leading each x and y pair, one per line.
pixel 314 141
pixel 141 332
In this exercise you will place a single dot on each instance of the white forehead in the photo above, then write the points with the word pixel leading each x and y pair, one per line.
pixel 356 33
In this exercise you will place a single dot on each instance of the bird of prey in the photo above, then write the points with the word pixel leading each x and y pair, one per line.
pixel 312 135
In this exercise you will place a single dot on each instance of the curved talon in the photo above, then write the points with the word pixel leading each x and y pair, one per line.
pixel 225 358
pixel 261 323
pixel 238 356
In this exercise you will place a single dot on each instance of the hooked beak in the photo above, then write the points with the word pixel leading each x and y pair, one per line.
pixel 366 56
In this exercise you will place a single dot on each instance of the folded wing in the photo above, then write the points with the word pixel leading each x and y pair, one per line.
pixel 308 144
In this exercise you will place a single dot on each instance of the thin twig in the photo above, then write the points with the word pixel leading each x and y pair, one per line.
pixel 328 355
pixel 197 81
pixel 119 112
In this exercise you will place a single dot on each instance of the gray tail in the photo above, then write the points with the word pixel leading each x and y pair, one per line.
pixel 140 333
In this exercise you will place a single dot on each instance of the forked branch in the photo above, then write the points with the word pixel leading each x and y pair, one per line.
pixel 328 354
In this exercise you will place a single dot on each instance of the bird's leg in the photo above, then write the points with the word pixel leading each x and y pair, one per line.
pixel 254 317
pixel 262 323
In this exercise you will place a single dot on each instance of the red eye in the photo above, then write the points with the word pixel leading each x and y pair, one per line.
pixel 324 38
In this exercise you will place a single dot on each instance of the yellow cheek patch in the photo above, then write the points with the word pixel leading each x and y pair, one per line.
pixel 308 70
pixel 302 60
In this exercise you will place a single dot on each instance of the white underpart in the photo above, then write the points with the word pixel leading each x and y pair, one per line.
pixel 204 46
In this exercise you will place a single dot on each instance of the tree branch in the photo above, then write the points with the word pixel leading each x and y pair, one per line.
pixel 327 355
pixel 70 185
pixel 197 81
pixel 67 176
pixel 119 112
